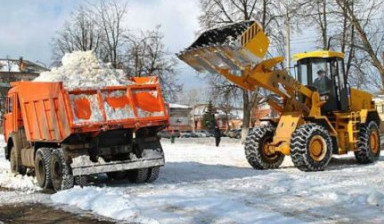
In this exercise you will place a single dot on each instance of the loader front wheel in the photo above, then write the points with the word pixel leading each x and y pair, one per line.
pixel 368 145
pixel 256 150
pixel 311 147
pixel 42 171
pixel 61 172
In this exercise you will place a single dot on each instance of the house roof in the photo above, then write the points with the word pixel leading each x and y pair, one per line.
pixel 12 65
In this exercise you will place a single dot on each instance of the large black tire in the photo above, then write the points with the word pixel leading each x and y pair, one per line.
pixel 42 171
pixel 119 175
pixel 138 175
pixel 256 153
pixel 153 174
pixel 81 181
pixel 16 168
pixel 61 172
pixel 311 147
pixel 368 145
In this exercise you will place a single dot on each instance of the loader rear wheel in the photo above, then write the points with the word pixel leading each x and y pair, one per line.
pixel 138 175
pixel 15 167
pixel 256 150
pixel 61 172
pixel 311 147
pixel 42 171
pixel 368 145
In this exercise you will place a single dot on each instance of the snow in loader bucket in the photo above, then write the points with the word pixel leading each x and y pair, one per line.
pixel 235 46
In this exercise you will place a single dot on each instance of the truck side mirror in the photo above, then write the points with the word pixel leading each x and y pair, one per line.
pixel 295 69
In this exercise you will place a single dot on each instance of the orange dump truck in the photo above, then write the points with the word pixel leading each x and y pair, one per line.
pixel 63 136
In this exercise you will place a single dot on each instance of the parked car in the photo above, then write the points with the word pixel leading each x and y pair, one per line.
pixel 234 133
pixel 203 133
pixel 167 134
pixel 188 134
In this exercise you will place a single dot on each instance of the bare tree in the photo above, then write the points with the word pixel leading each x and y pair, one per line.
pixel 370 33
pixel 146 55
pixel 80 33
pixel 110 14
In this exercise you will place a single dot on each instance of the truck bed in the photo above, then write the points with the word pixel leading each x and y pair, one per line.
pixel 51 113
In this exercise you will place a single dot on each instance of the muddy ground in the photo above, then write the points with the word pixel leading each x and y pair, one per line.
pixel 43 214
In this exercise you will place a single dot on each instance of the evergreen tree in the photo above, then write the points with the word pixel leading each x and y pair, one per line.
pixel 209 121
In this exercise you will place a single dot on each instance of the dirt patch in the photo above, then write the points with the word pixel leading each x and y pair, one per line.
pixel 38 213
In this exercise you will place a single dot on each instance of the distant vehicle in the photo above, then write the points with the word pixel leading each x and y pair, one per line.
pixel 168 134
pixel 234 133
pixel 188 134
pixel 203 133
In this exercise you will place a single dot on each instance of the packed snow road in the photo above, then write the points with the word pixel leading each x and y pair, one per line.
pixel 204 184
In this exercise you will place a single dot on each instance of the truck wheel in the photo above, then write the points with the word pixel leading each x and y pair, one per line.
pixel 15 167
pixel 153 174
pixel 368 145
pixel 119 175
pixel 138 175
pixel 311 147
pixel 42 171
pixel 256 149
pixel 81 180
pixel 61 172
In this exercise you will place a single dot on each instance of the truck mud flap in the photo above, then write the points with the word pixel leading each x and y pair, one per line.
pixel 84 166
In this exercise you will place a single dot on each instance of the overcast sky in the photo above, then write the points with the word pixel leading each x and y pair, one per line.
pixel 27 27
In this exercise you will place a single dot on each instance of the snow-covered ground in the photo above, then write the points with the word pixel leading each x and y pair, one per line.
pixel 204 184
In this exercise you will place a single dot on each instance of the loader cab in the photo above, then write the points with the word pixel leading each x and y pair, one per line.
pixel 323 71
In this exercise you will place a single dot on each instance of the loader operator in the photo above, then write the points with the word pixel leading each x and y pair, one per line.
pixel 322 83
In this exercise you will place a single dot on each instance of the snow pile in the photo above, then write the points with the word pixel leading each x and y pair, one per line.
pixel 18 182
pixel 83 69
pixel 109 203
pixel 201 183
pixel 10 180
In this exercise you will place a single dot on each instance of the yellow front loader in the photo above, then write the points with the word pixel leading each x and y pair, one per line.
pixel 320 114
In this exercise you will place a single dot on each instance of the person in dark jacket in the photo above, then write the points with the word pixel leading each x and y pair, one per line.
pixel 217 135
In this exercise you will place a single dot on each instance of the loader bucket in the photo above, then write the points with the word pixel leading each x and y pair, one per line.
pixel 235 47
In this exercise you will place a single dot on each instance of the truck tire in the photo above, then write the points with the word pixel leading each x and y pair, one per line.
pixel 138 175
pixel 61 172
pixel 255 150
pixel 42 171
pixel 153 174
pixel 368 145
pixel 82 181
pixel 119 175
pixel 311 147
pixel 15 167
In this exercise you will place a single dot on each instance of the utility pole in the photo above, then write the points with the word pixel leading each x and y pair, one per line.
pixel 288 38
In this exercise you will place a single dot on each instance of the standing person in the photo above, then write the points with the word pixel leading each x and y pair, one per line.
pixel 173 136
pixel 217 134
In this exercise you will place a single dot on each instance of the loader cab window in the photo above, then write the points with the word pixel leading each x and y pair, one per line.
pixel 325 75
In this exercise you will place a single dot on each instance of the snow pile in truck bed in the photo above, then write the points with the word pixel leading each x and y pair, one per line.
pixel 83 69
